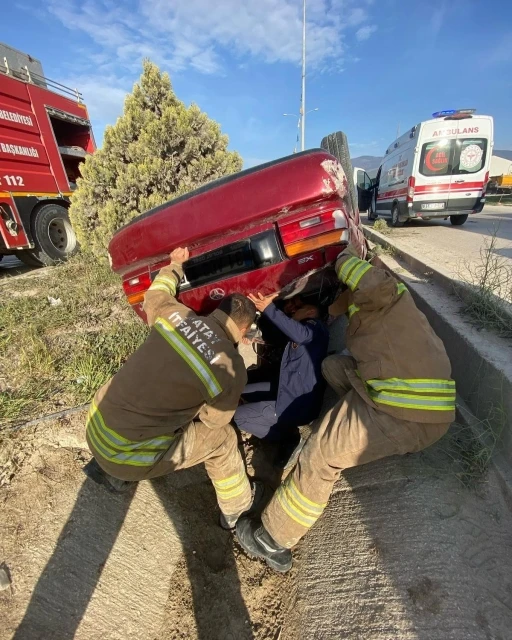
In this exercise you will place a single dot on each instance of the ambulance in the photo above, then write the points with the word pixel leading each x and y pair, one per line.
pixel 437 169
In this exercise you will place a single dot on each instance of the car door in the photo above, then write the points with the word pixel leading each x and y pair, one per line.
pixel 468 171
pixel 364 190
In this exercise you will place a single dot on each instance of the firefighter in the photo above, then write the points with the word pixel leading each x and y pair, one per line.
pixel 397 397
pixel 169 407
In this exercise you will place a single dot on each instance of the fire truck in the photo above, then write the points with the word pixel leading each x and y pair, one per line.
pixel 45 135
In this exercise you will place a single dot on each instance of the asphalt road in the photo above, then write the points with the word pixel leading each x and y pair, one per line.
pixel 452 248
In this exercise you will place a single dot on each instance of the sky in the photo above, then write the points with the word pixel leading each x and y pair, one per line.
pixel 372 65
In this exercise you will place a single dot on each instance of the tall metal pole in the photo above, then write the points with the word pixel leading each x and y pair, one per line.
pixel 303 102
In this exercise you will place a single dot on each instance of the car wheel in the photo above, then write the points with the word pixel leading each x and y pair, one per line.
pixel 337 145
pixel 53 236
pixel 458 220
pixel 395 216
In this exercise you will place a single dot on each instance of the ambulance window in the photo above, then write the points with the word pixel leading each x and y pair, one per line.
pixel 469 155
pixel 436 158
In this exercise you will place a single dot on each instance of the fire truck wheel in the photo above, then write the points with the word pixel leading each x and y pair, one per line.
pixel 54 238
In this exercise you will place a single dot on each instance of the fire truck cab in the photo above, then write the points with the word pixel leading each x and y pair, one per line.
pixel 45 134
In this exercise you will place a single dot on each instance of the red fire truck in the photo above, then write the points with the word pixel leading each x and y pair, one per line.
pixel 45 134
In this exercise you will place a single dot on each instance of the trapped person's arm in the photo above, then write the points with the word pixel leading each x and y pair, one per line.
pixel 298 332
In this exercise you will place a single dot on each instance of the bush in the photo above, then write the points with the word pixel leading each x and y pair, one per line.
pixel 158 149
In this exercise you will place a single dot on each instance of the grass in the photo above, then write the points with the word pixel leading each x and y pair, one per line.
pixel 378 250
pixel 55 357
pixel 381 226
pixel 467 450
pixel 488 289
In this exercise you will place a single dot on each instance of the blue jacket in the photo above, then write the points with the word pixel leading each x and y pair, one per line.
pixel 301 386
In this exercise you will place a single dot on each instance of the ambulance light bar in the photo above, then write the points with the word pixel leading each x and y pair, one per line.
pixel 453 112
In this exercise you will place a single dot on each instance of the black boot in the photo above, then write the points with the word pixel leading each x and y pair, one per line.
pixel 257 542
pixel 93 471
pixel 258 491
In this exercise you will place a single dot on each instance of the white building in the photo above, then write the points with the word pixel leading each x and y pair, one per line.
pixel 500 166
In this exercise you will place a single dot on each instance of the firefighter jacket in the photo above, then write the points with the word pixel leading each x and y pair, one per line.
pixel 187 369
pixel 402 366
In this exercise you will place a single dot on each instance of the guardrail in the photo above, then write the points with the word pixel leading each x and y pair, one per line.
pixel 25 75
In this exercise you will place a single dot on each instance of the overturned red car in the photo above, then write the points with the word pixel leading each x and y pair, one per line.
pixel 257 230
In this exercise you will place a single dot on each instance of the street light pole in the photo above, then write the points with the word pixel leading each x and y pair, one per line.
pixel 303 102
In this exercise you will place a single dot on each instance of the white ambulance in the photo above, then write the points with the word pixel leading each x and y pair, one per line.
pixel 437 169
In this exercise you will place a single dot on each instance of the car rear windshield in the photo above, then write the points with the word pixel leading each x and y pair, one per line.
pixel 453 157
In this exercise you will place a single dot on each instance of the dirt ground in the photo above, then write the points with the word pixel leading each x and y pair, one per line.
pixel 88 564
pixel 404 551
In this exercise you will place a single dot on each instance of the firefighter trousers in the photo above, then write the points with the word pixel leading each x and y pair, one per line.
pixel 351 434
pixel 217 448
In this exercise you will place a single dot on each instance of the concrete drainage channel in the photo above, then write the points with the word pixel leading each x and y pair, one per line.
pixel 411 547
pixel 481 361
pixel 418 547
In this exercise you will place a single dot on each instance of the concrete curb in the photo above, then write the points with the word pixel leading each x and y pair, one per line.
pixel 426 268
pixel 481 361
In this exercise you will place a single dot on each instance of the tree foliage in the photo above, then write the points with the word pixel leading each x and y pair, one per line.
pixel 158 149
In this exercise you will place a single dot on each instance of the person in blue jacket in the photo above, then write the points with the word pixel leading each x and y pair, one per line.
pixel 275 411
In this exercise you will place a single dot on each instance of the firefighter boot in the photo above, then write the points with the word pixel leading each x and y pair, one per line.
pixel 93 471
pixel 257 542
pixel 258 491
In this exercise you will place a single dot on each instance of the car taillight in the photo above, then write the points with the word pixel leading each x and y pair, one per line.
pixel 486 182
pixel 319 230
pixel 135 288
pixel 410 188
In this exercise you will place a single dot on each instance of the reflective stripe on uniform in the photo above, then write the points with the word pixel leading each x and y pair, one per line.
pixel 346 268
pixel 295 504
pixel 119 450
pixel 425 385
pixel 164 283
pixel 352 271
pixel 352 309
pixel 414 401
pixel 231 487
pixel 190 355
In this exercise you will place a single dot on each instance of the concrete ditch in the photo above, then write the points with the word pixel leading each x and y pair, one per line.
pixel 404 550
pixel 481 360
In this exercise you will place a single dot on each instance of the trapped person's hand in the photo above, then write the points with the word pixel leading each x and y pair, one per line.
pixel 261 302
pixel 180 255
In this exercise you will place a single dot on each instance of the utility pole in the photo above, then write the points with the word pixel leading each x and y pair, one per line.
pixel 303 100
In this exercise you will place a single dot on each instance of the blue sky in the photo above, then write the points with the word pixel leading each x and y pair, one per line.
pixel 371 63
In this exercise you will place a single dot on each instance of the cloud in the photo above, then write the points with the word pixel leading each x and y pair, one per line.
pixel 500 53
pixel 196 35
pixel 103 95
pixel 192 34
pixel 365 32
pixel 437 19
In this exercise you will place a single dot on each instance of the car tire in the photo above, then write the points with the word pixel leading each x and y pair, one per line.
pixel 457 221
pixel 337 145
pixel 395 216
pixel 53 237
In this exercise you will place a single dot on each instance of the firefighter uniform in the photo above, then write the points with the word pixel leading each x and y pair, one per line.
pixel 396 397
pixel 169 407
